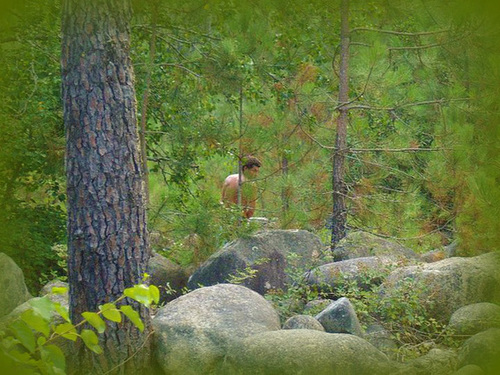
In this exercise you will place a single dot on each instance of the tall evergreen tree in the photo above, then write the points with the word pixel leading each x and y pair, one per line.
pixel 107 238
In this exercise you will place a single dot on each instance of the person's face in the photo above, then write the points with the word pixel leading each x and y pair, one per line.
pixel 253 172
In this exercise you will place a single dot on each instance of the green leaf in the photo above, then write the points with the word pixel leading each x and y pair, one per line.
pixel 43 307
pixel 140 293
pixel 133 316
pixel 59 289
pixel 95 320
pixel 110 312
pixel 53 355
pixel 62 310
pixel 66 330
pixel 36 322
pixel 91 340
pixel 24 334
pixel 154 293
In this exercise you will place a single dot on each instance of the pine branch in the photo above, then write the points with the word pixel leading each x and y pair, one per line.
pixel 362 150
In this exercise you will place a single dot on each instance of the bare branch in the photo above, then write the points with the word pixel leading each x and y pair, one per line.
pixel 414 104
pixel 409 149
pixel 180 67
pixel 392 32
pixel 425 46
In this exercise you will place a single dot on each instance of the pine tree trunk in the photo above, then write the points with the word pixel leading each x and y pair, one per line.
pixel 339 217
pixel 107 238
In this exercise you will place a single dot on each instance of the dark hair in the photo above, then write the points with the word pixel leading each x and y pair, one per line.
pixel 250 162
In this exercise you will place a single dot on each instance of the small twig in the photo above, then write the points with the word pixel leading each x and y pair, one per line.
pixel 132 356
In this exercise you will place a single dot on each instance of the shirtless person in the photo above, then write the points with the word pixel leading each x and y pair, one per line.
pixel 248 189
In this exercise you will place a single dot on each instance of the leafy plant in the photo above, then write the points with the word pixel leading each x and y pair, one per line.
pixel 29 343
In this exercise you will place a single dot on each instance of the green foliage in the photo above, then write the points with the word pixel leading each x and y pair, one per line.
pixel 297 292
pixel 240 276
pixel 30 342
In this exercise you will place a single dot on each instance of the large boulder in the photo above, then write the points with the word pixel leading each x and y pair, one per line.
pixel 445 286
pixel 340 317
pixel 475 318
pixel 362 244
pixel 266 253
pixel 54 291
pixel 14 290
pixel 483 350
pixel 194 331
pixel 381 338
pixel 366 272
pixel 169 277
pixel 436 361
pixel 303 351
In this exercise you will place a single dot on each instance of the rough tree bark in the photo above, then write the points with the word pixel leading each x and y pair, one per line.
pixel 339 216
pixel 107 238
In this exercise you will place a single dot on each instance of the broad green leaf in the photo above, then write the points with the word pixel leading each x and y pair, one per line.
pixel 21 357
pixel 9 342
pixel 154 293
pixel 66 330
pixel 91 340
pixel 41 341
pixel 62 310
pixel 43 307
pixel 24 334
pixel 110 312
pixel 139 293
pixel 95 320
pixel 59 289
pixel 53 355
pixel 36 322
pixel 133 316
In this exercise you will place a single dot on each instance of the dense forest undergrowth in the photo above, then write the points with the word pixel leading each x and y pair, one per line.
pixel 216 81
pixel 374 116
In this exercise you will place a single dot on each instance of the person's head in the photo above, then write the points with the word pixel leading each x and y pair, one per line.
pixel 251 166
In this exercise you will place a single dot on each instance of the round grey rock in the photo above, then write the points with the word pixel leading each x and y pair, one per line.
pixel 483 350
pixel 340 317
pixel 194 331
pixel 301 351
pixel 303 322
pixel 469 370
pixel 475 318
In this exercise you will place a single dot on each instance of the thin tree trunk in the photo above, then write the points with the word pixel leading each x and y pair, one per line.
pixel 145 102
pixel 240 156
pixel 285 191
pixel 107 238
pixel 339 217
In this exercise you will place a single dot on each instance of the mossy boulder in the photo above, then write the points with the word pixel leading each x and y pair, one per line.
pixel 194 332
pixel 443 287
pixel 361 244
pixel 266 253
pixel 365 272
pixel 475 318
pixel 14 290
pixel 303 351
pixel 168 276
pixel 483 350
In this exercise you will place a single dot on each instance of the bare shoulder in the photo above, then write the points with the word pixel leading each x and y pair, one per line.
pixel 230 180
